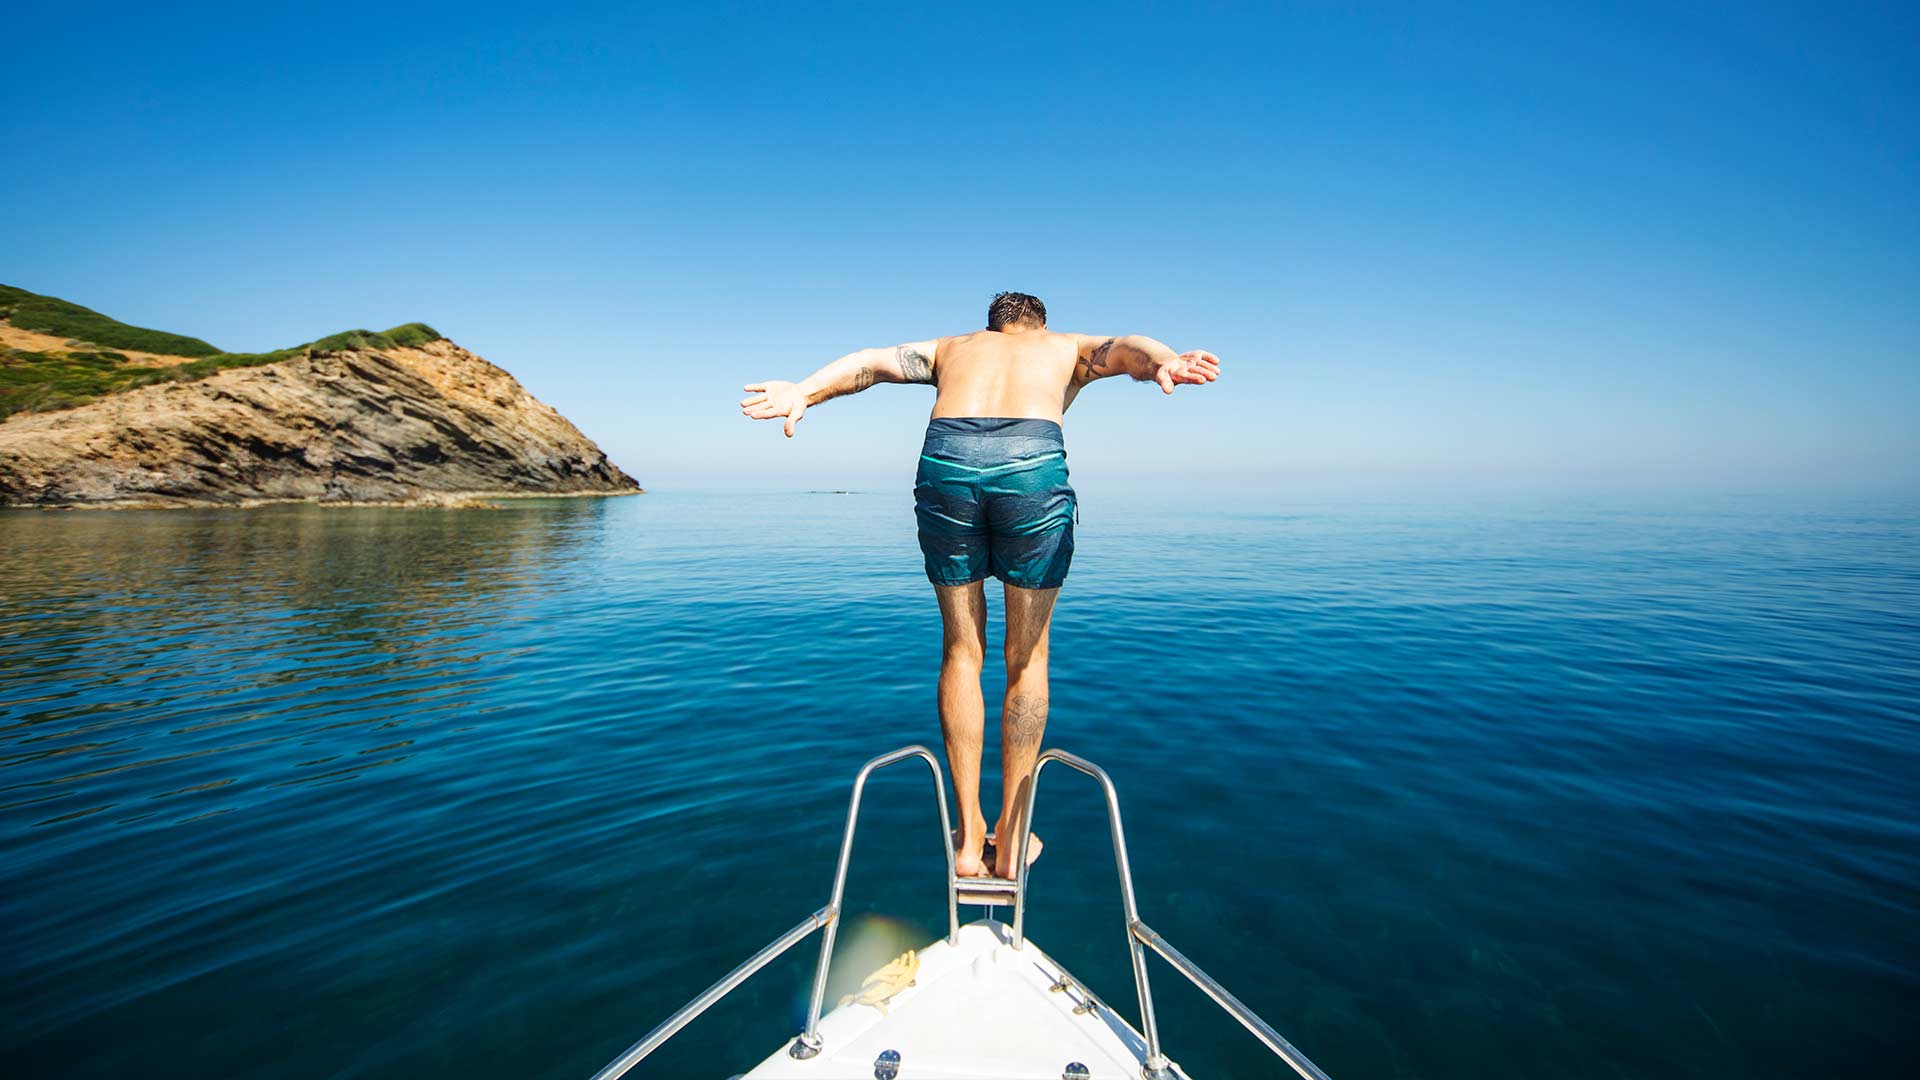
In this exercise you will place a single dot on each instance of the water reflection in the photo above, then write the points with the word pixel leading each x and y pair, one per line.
pixel 135 639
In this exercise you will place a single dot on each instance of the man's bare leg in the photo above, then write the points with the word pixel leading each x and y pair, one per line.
pixel 963 720
pixel 1023 717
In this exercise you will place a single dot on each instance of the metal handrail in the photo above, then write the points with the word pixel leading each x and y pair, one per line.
pixel 1286 1051
pixel 807 1043
pixel 826 916
pixel 1156 1065
pixel 1139 933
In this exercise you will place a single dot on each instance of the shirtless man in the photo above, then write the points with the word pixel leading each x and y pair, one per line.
pixel 992 498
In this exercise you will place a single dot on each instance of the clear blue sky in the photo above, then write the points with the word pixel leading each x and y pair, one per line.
pixel 1526 244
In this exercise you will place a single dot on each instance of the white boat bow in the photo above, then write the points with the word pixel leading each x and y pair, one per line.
pixel 984 1003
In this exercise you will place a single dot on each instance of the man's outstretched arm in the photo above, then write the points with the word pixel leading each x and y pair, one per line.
pixel 852 373
pixel 1142 358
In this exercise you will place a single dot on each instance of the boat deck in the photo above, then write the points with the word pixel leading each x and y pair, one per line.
pixel 978 1009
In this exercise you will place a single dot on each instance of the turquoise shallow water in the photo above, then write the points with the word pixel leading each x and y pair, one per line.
pixel 1473 789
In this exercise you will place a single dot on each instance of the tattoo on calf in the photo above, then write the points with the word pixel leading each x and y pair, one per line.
pixel 915 366
pixel 1024 720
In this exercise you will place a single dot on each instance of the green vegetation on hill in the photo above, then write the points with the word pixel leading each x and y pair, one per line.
pixel 48 315
pixel 400 337
pixel 45 381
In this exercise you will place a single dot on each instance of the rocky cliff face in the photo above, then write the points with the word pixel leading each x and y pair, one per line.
pixel 427 423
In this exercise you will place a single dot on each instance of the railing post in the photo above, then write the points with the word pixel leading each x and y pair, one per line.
pixel 1157 1066
pixel 807 1043
pixel 618 1066
pixel 1248 1019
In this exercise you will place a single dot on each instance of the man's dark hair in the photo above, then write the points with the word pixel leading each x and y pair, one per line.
pixel 1015 309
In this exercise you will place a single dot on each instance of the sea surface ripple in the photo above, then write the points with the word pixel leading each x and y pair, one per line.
pixel 1496 788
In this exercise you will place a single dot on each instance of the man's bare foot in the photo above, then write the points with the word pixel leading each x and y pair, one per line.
pixel 967 858
pixel 1003 858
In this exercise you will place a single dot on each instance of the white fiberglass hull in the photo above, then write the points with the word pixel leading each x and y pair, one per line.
pixel 977 1010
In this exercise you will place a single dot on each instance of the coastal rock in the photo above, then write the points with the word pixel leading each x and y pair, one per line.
pixel 429 423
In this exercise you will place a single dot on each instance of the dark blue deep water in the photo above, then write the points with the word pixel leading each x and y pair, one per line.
pixel 1472 789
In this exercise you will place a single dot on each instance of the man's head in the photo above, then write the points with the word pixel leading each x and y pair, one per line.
pixel 1016 310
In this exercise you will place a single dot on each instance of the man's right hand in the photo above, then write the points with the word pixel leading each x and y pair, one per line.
pixel 774 399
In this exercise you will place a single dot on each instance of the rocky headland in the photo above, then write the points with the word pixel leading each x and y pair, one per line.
pixel 404 417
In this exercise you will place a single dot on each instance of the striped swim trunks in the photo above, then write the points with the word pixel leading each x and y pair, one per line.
pixel 992 497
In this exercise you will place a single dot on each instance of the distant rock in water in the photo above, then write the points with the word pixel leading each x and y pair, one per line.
pixel 372 422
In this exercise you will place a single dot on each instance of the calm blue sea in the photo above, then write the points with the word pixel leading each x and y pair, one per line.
pixel 1475 788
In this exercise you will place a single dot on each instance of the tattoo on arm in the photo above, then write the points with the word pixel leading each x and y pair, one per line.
pixel 862 379
pixel 915 366
pixel 1096 363
pixel 1024 720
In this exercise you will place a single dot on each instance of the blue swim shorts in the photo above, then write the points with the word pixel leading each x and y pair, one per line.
pixel 992 497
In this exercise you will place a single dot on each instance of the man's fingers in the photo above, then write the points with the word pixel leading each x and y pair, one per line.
pixel 755 386
pixel 1202 363
pixel 1165 378
pixel 746 401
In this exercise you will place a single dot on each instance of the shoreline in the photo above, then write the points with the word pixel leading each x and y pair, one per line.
pixel 449 500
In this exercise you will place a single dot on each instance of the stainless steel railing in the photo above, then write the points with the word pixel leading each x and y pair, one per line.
pixel 1156 1063
pixel 1140 937
pixel 807 1043
pixel 1139 934
pixel 1144 934
pixel 826 916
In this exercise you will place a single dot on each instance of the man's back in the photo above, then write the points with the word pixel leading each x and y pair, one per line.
pixel 995 373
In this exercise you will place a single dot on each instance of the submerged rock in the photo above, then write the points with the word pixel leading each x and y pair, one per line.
pixel 428 423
